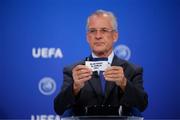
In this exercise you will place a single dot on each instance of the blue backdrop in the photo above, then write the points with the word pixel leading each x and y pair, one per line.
pixel 39 37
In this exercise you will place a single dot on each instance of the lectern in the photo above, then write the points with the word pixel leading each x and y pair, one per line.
pixel 102 118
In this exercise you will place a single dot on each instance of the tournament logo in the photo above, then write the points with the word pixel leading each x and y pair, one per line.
pixel 123 52
pixel 47 53
pixel 47 86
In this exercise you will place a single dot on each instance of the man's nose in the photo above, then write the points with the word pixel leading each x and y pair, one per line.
pixel 98 35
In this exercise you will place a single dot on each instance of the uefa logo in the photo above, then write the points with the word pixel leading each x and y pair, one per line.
pixel 123 52
pixel 47 86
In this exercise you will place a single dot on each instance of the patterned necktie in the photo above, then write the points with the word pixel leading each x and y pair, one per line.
pixel 101 76
pixel 103 81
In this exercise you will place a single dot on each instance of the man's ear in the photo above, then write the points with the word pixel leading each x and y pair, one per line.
pixel 115 36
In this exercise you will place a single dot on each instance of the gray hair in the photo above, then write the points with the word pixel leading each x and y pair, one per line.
pixel 110 14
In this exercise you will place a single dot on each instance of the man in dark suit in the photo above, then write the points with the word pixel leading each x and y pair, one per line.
pixel 82 90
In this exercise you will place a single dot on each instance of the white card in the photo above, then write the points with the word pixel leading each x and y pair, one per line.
pixel 97 65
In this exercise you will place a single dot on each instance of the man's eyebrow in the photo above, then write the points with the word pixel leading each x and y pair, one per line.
pixel 100 28
pixel 91 28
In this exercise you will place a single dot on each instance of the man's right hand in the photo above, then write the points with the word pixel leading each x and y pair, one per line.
pixel 81 74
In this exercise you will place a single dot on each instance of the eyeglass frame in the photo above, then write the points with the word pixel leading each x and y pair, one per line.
pixel 103 31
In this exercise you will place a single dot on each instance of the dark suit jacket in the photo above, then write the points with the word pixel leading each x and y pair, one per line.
pixel 91 94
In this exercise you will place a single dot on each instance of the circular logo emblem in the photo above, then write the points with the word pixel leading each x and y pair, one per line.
pixel 47 86
pixel 123 52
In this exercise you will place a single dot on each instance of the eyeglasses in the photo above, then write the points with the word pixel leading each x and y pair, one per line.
pixel 103 31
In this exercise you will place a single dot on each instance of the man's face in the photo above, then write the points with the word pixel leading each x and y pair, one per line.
pixel 101 35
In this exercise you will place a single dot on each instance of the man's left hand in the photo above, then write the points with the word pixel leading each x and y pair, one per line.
pixel 116 74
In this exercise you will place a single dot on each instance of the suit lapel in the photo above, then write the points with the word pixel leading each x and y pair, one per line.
pixel 95 83
pixel 110 85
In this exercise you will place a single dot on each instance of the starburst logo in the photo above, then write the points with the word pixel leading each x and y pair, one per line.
pixel 47 86
pixel 123 52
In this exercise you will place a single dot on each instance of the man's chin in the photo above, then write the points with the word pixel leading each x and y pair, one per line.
pixel 99 52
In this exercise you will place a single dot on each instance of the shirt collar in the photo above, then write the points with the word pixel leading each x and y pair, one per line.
pixel 110 57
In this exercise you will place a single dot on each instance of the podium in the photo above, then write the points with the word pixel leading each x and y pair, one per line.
pixel 102 118
pixel 103 112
